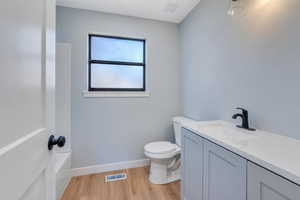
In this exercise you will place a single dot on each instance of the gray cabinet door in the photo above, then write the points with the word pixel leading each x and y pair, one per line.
pixel 265 185
pixel 225 174
pixel 192 168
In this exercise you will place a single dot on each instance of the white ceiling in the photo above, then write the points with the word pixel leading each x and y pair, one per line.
pixel 164 10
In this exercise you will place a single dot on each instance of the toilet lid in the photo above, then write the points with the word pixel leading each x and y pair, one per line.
pixel 160 147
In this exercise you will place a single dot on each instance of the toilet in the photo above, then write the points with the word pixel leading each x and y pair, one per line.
pixel 165 156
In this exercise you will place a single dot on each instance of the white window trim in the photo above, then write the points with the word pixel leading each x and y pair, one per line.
pixel 98 94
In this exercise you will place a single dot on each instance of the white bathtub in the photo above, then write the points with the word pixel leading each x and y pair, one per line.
pixel 62 156
pixel 62 169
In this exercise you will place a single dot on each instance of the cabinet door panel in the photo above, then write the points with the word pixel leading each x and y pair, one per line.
pixel 192 168
pixel 224 174
pixel 265 185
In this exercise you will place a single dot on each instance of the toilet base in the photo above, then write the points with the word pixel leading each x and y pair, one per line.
pixel 162 173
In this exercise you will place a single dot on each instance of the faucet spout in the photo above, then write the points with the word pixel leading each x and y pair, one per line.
pixel 244 117
pixel 235 116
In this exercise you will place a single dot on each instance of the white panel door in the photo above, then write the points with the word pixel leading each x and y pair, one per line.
pixel 26 85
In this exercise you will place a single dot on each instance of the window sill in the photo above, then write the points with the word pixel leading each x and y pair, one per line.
pixel 88 94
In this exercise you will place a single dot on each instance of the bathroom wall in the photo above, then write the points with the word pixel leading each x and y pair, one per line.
pixel 250 59
pixel 107 130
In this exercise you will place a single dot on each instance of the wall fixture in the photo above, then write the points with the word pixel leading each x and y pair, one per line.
pixel 232 7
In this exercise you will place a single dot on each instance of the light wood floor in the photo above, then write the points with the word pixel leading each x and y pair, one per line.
pixel 135 187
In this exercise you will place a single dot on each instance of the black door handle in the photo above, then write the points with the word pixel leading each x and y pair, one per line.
pixel 60 142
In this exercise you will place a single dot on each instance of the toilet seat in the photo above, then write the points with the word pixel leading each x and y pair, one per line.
pixel 160 150
pixel 160 147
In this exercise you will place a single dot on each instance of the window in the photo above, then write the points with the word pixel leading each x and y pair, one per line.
pixel 116 64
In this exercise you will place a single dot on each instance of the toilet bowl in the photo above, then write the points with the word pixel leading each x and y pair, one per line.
pixel 165 162
pixel 165 156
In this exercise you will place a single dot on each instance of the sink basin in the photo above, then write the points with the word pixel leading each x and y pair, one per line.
pixel 226 132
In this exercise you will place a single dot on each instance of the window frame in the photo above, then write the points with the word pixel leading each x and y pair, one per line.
pixel 90 62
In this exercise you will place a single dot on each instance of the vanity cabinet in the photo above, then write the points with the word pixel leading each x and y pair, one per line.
pixel 225 174
pixel 265 185
pixel 211 172
pixel 192 169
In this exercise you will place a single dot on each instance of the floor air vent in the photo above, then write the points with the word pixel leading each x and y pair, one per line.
pixel 115 177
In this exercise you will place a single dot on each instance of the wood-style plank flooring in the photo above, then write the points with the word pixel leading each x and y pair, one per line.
pixel 135 187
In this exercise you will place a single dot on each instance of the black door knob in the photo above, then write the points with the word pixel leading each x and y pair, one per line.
pixel 60 142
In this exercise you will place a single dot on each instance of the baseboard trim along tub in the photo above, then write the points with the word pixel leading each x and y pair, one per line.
pixel 109 167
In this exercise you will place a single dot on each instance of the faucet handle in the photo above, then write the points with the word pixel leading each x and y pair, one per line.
pixel 245 112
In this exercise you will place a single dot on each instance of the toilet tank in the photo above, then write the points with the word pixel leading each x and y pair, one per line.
pixel 178 122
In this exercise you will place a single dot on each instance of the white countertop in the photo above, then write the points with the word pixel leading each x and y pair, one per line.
pixel 277 153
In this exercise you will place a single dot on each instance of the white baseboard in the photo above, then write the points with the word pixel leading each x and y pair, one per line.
pixel 109 167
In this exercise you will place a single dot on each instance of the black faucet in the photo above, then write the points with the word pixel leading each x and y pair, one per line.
pixel 245 120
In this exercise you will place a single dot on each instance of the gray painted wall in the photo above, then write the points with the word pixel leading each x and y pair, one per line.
pixel 106 130
pixel 251 59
